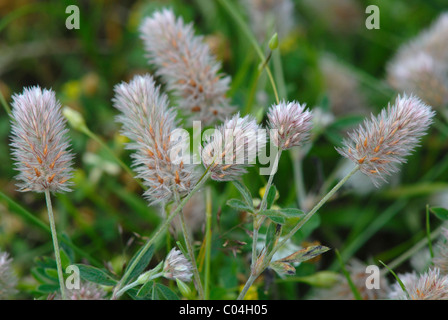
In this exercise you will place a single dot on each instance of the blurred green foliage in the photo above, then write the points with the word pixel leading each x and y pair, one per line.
pixel 106 215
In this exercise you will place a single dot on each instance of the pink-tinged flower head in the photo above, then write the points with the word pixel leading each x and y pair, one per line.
pixel 290 124
pixel 176 266
pixel 428 286
pixel 185 63
pixel 160 157
pixel 232 148
pixel 40 147
pixel 383 142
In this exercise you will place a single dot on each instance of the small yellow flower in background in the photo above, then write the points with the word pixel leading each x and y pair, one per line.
pixel 252 293
pixel 262 190
pixel 72 89
pixel 121 140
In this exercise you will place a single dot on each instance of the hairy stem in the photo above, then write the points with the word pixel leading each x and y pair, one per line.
pixel 208 241
pixel 186 232
pixel 55 244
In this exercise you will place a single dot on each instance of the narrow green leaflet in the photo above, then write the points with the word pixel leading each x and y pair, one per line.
pixel 142 263
pixel 272 235
pixel 280 216
pixel 165 293
pixel 239 205
pixel 305 254
pixel 146 290
pixel 292 212
pixel 440 213
pixel 95 275
pixel 271 196
pixel 245 193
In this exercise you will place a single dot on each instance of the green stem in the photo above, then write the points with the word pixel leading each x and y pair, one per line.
pixel 186 232
pixel 248 33
pixel 271 178
pixel 208 241
pixel 136 283
pixel 55 244
pixel 413 250
pixel 159 231
pixel 247 286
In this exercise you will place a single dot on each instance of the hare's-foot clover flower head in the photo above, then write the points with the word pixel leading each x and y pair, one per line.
pixel 8 280
pixel 382 143
pixel 431 285
pixel 290 124
pixel 40 147
pixel 176 266
pixel 160 152
pixel 233 147
pixel 186 65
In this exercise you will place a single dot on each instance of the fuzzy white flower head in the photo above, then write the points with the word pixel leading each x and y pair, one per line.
pixel 151 126
pixel 176 266
pixel 233 147
pixel 428 286
pixel 383 142
pixel 8 280
pixel 39 143
pixel 290 124
pixel 186 65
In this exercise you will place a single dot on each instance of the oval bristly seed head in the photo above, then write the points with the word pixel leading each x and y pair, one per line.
pixel 40 147
pixel 382 143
